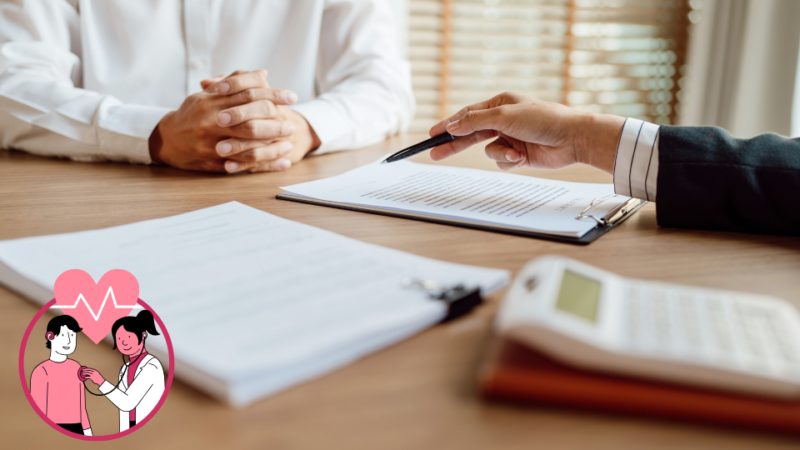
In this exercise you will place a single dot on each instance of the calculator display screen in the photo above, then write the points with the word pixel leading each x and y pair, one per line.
pixel 579 296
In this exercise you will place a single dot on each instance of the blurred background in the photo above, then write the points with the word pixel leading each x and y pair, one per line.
pixel 728 63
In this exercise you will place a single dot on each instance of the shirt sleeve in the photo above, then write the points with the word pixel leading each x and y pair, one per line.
pixel 364 84
pixel 39 388
pixel 636 163
pixel 128 400
pixel 43 110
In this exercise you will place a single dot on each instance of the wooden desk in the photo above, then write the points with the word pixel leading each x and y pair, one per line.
pixel 416 395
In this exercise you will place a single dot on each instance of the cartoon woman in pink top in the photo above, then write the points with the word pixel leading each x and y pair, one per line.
pixel 55 386
pixel 140 384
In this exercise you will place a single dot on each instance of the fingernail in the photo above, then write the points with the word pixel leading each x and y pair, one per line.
pixel 283 164
pixel 453 126
pixel 512 155
pixel 224 88
pixel 224 118
pixel 291 97
pixel 231 166
pixel 290 128
pixel 224 148
pixel 287 147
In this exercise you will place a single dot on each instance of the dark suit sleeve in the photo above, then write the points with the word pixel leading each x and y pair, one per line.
pixel 707 179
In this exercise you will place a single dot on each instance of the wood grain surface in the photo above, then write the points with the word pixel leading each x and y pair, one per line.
pixel 418 394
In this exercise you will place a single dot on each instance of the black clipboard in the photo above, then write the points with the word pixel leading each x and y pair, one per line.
pixel 604 224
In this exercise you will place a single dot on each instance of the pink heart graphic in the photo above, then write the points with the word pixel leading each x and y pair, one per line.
pixel 114 296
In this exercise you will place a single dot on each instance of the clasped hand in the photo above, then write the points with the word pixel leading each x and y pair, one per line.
pixel 237 123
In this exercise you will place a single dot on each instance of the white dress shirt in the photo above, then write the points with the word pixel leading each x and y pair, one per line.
pixel 636 163
pixel 90 79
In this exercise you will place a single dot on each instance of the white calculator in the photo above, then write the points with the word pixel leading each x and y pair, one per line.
pixel 596 320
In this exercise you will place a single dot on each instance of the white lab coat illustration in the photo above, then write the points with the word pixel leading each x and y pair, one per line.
pixel 143 393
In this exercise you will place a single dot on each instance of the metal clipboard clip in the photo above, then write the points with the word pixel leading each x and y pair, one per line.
pixel 459 299
pixel 616 215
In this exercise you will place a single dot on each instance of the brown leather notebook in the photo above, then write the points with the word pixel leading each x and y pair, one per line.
pixel 512 371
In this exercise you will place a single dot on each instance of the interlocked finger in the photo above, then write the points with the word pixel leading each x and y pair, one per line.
pixel 262 129
pixel 261 109
pixel 241 81
pixel 276 96
pixel 277 165
pixel 234 146
pixel 264 153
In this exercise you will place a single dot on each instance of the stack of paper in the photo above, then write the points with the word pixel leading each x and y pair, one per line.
pixel 253 303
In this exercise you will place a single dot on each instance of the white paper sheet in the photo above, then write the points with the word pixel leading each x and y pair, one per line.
pixel 254 303
pixel 504 199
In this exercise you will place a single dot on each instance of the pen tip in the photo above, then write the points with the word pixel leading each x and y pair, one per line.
pixel 384 162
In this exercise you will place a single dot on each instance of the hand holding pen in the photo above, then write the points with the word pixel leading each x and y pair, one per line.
pixel 532 132
pixel 419 148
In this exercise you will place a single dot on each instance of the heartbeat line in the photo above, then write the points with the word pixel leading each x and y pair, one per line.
pixel 103 305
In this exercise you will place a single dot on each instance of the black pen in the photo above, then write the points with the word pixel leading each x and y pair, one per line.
pixel 419 148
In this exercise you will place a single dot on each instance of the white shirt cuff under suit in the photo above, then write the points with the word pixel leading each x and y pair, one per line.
pixel 636 163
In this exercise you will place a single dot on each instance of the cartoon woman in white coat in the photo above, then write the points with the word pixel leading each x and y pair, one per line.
pixel 141 379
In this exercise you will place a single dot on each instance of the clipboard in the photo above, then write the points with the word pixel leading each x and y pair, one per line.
pixel 604 223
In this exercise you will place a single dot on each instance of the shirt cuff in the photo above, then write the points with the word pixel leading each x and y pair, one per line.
pixel 125 132
pixel 327 123
pixel 106 387
pixel 636 163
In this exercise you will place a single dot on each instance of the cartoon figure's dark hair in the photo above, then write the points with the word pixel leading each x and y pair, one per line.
pixel 57 322
pixel 143 321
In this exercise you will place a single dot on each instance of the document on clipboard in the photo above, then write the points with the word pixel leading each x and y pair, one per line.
pixel 576 213
pixel 255 303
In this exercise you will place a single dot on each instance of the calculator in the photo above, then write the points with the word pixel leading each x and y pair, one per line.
pixel 592 319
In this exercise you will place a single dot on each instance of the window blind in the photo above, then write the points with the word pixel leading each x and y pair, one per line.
pixel 622 57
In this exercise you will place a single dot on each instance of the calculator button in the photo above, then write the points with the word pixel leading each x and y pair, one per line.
pixel 634 318
pixel 713 329
pixel 786 347
pixel 692 333
pixel 720 326
pixel 764 338
pixel 662 320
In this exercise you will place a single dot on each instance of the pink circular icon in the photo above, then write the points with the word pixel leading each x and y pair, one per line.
pixel 23 380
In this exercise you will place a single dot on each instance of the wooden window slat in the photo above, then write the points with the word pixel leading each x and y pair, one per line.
pixel 621 56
